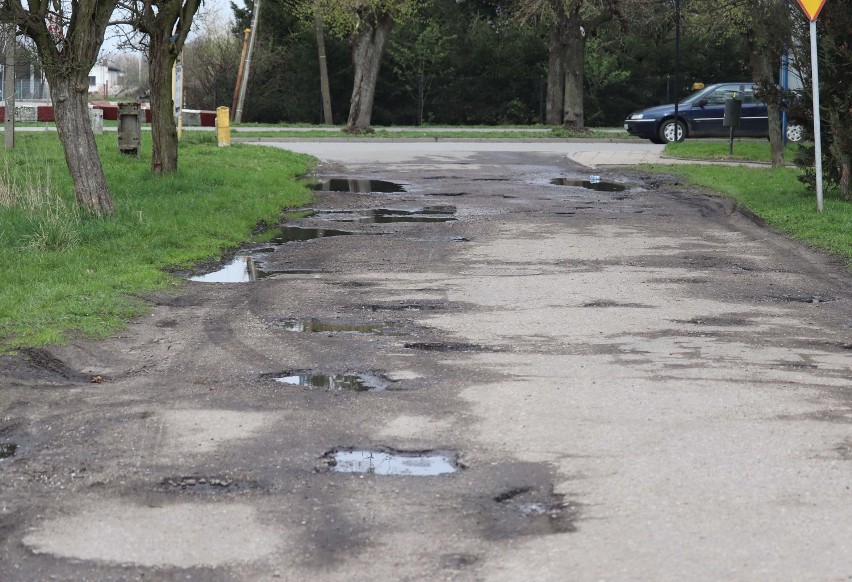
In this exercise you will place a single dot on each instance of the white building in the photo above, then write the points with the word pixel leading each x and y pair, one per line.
pixel 105 79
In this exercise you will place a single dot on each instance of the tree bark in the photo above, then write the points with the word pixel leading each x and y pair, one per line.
pixel 368 47
pixel 575 62
pixel 554 101
pixel 762 61
pixel 164 154
pixel 70 105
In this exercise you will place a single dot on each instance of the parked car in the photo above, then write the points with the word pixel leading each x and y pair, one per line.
pixel 700 115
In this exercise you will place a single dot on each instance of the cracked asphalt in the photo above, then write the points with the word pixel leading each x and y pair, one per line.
pixel 643 384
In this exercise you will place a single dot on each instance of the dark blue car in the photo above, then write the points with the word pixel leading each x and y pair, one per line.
pixel 700 115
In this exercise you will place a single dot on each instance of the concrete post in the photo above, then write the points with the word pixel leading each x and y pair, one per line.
pixel 129 128
pixel 223 126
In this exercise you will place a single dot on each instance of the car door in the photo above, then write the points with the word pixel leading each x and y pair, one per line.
pixel 708 112
pixel 755 117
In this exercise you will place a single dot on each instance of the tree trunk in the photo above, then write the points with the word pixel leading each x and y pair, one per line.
pixel 555 77
pixel 575 62
pixel 71 109
pixel 762 62
pixel 164 155
pixel 368 47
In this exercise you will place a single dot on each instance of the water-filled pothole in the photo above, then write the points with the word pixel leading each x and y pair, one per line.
pixel 310 325
pixel 8 450
pixel 243 269
pixel 357 186
pixel 589 185
pixel 346 382
pixel 288 234
pixel 385 461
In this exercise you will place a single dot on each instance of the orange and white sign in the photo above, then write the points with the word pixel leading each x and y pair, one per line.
pixel 812 8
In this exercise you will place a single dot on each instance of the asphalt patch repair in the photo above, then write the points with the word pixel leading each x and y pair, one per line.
pixel 613 424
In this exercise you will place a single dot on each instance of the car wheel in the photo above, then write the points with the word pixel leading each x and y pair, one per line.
pixel 795 132
pixel 667 131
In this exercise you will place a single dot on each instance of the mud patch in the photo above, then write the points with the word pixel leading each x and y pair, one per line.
pixel 386 461
pixel 49 366
pixel 357 186
pixel 347 382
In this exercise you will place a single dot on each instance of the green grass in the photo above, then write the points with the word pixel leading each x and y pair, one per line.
pixel 745 150
pixel 781 200
pixel 65 274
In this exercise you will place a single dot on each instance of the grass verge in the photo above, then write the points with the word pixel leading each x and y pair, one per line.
pixel 65 273
pixel 746 150
pixel 780 199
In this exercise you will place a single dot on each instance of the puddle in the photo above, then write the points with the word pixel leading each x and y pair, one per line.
pixel 312 325
pixel 599 186
pixel 357 186
pixel 242 269
pixel 333 382
pixel 287 234
pixel 390 462
pixel 8 450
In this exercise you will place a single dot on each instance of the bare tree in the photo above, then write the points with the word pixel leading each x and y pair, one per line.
pixel 165 25
pixel 68 37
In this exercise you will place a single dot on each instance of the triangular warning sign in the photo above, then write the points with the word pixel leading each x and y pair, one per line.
pixel 812 7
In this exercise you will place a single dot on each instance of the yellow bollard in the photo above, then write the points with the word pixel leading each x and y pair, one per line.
pixel 223 126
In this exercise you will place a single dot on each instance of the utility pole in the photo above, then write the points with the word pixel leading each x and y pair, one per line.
pixel 238 116
pixel 9 87
pixel 326 93
pixel 246 33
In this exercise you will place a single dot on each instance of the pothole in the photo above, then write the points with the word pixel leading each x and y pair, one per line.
pixel 242 269
pixel 288 234
pixel 449 347
pixel 393 215
pixel 386 461
pixel 599 186
pixel 716 321
pixel 608 303
pixel 357 186
pixel 313 325
pixel 404 306
pixel 345 382
pixel 813 299
pixel 202 484
pixel 8 450
pixel 531 511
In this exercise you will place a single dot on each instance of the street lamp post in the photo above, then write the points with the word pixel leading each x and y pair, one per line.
pixel 677 133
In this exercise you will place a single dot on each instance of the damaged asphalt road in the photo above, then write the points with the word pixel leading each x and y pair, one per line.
pixel 562 383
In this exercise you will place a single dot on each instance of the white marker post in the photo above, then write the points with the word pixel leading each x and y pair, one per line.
pixel 812 9
pixel 817 133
